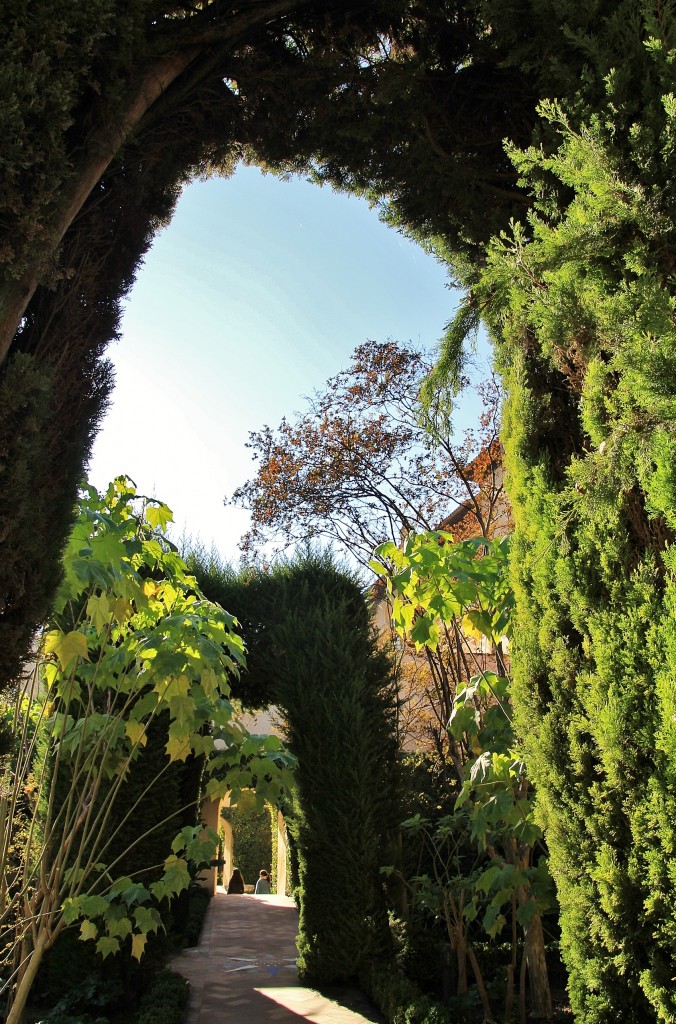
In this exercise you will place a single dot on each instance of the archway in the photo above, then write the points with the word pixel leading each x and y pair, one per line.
pixel 263 332
pixel 211 814
pixel 142 104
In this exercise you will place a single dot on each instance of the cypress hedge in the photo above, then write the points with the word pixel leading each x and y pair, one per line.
pixel 581 306
pixel 312 652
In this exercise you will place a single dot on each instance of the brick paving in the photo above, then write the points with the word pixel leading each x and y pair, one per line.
pixel 244 970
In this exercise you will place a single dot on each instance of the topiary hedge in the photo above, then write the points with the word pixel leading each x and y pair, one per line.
pixel 312 652
pixel 581 304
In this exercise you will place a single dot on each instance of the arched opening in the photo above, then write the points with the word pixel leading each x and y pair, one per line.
pixel 269 849
pixel 255 293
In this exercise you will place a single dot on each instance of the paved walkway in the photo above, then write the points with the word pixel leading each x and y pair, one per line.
pixel 244 969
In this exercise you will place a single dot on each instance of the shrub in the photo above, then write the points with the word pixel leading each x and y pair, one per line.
pixel 400 1000
pixel 165 1001
pixel 86 997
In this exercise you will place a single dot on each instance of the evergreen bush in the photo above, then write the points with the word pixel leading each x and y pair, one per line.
pixel 583 319
pixel 312 652
pixel 400 1000
pixel 165 1001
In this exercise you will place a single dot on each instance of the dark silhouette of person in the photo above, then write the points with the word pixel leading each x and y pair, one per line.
pixel 236 883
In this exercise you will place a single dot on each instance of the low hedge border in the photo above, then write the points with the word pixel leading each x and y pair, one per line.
pixel 400 1000
pixel 165 1001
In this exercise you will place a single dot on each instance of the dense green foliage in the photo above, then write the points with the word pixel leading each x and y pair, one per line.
pixel 399 999
pixel 311 652
pixel 487 862
pixel 132 651
pixel 578 295
pixel 252 839
pixel 582 309
pixel 165 1001
pixel 337 693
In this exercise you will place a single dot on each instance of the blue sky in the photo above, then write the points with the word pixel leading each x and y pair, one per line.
pixel 256 293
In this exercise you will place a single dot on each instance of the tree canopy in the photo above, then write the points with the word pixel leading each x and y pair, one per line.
pixel 363 464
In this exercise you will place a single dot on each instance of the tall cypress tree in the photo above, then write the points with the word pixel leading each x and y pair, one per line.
pixel 581 305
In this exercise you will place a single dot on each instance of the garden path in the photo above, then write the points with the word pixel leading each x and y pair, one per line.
pixel 244 969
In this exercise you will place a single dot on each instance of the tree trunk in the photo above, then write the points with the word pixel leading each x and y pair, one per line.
pixel 17 1008
pixel 485 1002
pixel 538 979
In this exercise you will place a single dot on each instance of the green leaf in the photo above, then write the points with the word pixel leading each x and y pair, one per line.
pixel 66 646
pixel 107 945
pixel 470 911
pixel 187 833
pixel 118 926
pixel 159 516
pixel 120 886
pixel 463 796
pixel 481 621
pixel 462 720
pixel 98 611
pixel 493 921
pixel 135 893
pixel 178 747
pixel 136 732
pixel 84 906
pixel 526 912
pixel 88 930
pixel 202 848
pixel 424 633
pixel 182 711
pixel 148 919
pixel 485 880
pixel 176 877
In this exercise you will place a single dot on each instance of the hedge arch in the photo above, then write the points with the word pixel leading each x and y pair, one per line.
pixel 313 654
pixel 115 109
pixel 114 106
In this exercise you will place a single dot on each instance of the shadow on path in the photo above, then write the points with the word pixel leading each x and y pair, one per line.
pixel 244 970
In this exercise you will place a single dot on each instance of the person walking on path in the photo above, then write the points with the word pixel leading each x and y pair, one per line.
pixel 262 884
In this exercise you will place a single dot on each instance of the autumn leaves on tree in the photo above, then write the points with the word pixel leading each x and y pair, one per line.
pixel 365 463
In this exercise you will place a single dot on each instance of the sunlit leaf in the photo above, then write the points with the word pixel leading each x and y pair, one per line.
pixel 66 646
pixel 136 731
pixel 159 516
pixel 178 748
pixel 98 611
pixel 88 930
